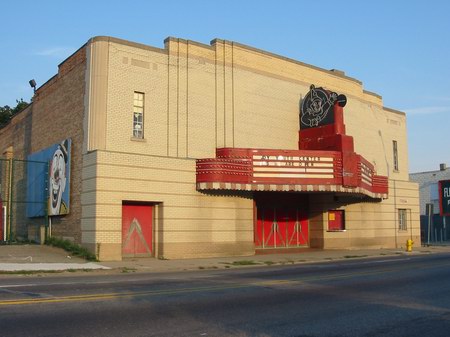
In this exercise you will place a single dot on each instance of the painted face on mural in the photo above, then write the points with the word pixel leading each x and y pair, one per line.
pixel 57 181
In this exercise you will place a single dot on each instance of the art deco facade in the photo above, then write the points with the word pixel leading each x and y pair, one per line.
pixel 196 150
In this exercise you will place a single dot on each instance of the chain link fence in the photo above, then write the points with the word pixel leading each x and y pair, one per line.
pixel 24 199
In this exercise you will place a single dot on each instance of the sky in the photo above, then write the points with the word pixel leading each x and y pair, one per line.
pixel 399 49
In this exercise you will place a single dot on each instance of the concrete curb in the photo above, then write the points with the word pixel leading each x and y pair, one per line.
pixel 49 266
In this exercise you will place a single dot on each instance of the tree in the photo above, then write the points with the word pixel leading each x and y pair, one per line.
pixel 5 115
pixel 6 112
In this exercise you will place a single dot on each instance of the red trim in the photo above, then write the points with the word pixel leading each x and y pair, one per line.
pixel 325 161
pixel 289 169
pixel 441 205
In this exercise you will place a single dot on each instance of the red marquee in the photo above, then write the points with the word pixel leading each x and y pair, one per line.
pixel 325 161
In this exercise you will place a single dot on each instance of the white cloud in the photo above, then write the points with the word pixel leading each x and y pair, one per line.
pixel 56 52
pixel 428 110
pixel 438 98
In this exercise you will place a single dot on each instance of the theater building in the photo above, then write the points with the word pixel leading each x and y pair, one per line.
pixel 198 150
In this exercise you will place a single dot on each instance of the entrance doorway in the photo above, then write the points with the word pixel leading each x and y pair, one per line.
pixel 281 221
pixel 137 229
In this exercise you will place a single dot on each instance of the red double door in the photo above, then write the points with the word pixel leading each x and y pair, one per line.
pixel 281 223
pixel 137 229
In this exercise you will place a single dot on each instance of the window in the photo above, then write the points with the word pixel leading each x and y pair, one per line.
pixel 138 115
pixel 336 221
pixel 395 152
pixel 402 220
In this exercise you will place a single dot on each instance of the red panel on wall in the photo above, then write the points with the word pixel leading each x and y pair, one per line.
pixel 336 221
pixel 2 224
pixel 137 228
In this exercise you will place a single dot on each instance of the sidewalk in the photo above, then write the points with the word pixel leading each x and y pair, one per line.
pixel 14 258
pixel 306 256
pixel 40 258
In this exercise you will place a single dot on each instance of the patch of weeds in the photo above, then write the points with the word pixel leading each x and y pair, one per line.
pixel 244 263
pixel 329 258
pixel 72 248
pixel 227 267
pixel 73 270
pixel 210 267
pixel 13 240
pixel 162 258
pixel 128 270
pixel 354 256
pixel 269 263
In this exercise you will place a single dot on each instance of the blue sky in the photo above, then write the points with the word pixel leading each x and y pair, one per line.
pixel 398 49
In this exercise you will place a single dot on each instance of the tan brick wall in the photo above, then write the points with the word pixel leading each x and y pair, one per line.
pixel 58 114
pixel 198 98
pixel 192 222
pixel 368 224
pixel 55 114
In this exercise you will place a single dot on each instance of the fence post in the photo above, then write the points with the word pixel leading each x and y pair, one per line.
pixel 47 230
pixel 10 197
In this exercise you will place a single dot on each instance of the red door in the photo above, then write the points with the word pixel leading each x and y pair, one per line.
pixel 297 228
pixel 270 228
pixel 137 228
pixel 278 227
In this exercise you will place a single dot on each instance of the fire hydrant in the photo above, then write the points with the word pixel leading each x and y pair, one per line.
pixel 409 244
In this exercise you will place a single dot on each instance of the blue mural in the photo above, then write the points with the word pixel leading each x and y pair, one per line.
pixel 48 180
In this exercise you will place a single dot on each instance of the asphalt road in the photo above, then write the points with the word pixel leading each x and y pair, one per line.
pixel 395 296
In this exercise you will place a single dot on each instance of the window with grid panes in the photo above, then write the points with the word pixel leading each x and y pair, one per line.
pixel 138 115
pixel 402 225
pixel 395 152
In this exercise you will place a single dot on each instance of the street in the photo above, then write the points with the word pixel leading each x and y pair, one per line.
pixel 384 296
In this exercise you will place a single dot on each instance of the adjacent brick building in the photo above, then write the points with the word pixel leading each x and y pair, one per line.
pixel 195 150
pixel 439 229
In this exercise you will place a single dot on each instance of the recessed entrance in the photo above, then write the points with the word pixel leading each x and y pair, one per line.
pixel 281 221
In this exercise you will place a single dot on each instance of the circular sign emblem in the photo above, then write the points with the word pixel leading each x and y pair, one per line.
pixel 317 107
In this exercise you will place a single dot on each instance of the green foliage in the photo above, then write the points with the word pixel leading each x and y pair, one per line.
pixel 6 112
pixel 21 104
pixel 5 115
pixel 71 247
pixel 354 256
pixel 128 270
pixel 244 263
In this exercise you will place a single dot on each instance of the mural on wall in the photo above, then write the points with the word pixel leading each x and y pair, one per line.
pixel 48 184
pixel 59 174
pixel 317 107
